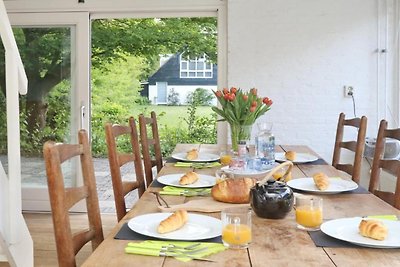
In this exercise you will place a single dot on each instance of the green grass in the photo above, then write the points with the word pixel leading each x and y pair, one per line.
pixel 174 115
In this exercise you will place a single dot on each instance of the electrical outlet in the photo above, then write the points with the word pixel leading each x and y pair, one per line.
pixel 348 91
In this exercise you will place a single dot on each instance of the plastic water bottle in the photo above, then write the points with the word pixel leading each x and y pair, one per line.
pixel 265 145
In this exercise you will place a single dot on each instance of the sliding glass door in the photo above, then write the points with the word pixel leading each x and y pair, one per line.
pixel 55 52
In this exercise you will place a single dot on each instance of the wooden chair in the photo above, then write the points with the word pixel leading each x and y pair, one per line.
pixel 355 146
pixel 118 159
pixel 150 145
pixel 392 166
pixel 62 199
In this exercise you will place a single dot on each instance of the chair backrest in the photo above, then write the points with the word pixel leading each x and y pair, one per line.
pixel 391 166
pixel 356 146
pixel 118 159
pixel 150 144
pixel 62 198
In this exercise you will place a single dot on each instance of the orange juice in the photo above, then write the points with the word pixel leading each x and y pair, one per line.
pixel 308 216
pixel 236 234
pixel 225 159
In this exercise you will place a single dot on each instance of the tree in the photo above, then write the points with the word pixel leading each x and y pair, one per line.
pixel 46 53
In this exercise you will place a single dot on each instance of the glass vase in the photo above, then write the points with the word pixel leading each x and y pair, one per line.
pixel 240 134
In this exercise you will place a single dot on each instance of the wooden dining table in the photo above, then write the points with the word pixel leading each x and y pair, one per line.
pixel 275 242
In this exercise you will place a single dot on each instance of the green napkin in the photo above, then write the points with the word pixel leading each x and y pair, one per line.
pixel 197 165
pixel 182 191
pixel 384 217
pixel 175 249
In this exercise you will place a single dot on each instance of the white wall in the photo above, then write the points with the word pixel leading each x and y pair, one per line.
pixel 301 54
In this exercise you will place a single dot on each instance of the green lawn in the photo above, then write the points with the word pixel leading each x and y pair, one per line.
pixel 174 115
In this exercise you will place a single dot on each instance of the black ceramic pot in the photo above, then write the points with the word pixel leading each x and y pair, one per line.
pixel 272 200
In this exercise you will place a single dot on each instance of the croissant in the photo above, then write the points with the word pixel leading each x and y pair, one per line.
pixel 321 180
pixel 233 190
pixel 192 154
pixel 290 155
pixel 373 229
pixel 188 178
pixel 173 222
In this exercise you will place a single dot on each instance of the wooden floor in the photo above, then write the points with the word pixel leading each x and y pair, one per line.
pixel 41 229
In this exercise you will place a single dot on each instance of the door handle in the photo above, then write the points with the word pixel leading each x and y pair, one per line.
pixel 83 110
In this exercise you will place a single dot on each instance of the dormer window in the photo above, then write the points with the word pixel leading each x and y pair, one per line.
pixel 195 68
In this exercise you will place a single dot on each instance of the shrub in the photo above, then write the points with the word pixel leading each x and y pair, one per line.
pixel 200 96
pixel 173 98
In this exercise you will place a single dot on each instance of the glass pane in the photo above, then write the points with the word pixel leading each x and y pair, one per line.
pixel 192 74
pixel 200 65
pixel 208 74
pixel 45 110
pixel 192 65
pixel 208 66
pixel 184 65
pixel 183 74
pixel 200 74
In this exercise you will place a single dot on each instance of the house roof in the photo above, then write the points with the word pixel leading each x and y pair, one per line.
pixel 169 72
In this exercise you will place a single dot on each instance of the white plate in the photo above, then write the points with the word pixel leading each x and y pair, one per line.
pixel 247 172
pixel 203 157
pixel 197 227
pixel 300 157
pixel 336 185
pixel 346 229
pixel 173 179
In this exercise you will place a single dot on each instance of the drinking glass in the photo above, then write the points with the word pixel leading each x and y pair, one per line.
pixel 236 227
pixel 308 212
pixel 225 156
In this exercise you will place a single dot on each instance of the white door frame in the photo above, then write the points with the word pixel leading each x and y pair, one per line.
pixel 37 198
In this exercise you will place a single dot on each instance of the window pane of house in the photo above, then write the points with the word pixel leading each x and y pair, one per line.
pixel 192 74
pixel 184 65
pixel 208 74
pixel 200 74
pixel 183 74
pixel 192 65
pixel 200 65
pixel 208 66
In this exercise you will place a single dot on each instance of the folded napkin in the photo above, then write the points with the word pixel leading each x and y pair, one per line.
pixel 197 165
pixel 181 191
pixel 383 217
pixel 180 250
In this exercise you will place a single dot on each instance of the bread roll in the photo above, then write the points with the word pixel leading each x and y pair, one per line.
pixel 173 222
pixel 188 178
pixel 233 190
pixel 192 154
pixel 321 180
pixel 290 155
pixel 373 229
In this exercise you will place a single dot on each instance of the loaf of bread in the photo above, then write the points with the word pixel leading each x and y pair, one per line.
pixel 189 178
pixel 173 222
pixel 233 190
pixel 321 180
pixel 290 155
pixel 192 154
pixel 373 229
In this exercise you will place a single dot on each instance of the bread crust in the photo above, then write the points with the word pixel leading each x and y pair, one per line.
pixel 189 178
pixel 321 180
pixel 290 155
pixel 192 154
pixel 173 222
pixel 373 229
pixel 233 190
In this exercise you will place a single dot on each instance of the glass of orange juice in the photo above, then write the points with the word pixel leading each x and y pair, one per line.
pixel 236 227
pixel 308 213
pixel 225 157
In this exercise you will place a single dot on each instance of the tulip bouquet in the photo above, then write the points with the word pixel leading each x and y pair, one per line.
pixel 240 109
